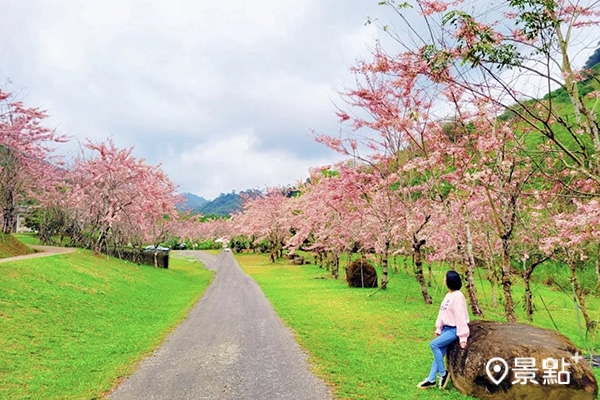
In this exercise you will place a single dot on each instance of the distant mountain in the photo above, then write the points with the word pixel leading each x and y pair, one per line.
pixel 192 201
pixel 224 205
pixel 594 59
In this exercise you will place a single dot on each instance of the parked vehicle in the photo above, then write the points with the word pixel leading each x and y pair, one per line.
pixel 157 248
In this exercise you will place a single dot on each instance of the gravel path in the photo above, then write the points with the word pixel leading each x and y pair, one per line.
pixel 42 251
pixel 231 346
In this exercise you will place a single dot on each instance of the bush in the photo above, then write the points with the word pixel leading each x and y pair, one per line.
pixel 360 273
pixel 143 257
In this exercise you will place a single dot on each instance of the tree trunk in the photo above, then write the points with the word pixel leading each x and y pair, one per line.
pixel 9 219
pixel 527 272
pixel 9 211
pixel 597 270
pixel 99 242
pixel 418 261
pixel 491 277
pixel 335 269
pixel 528 295
pixel 471 290
pixel 579 296
pixel 491 273
pixel 429 275
pixel 509 305
pixel 384 265
pixel 9 186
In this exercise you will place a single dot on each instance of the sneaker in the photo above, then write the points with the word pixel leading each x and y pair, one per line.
pixel 444 380
pixel 426 384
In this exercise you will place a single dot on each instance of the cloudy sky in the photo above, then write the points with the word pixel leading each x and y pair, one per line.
pixel 223 94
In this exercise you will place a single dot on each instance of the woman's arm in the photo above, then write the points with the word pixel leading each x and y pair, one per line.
pixel 461 317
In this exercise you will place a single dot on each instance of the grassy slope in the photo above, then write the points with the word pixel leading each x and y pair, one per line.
pixel 73 324
pixel 376 347
pixel 27 238
pixel 10 247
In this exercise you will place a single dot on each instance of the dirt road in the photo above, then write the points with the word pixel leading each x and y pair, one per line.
pixel 231 346
pixel 42 251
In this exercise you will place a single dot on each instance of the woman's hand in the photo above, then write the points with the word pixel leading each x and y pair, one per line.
pixel 463 345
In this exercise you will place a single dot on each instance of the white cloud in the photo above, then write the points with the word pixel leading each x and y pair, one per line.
pixel 236 163
pixel 239 82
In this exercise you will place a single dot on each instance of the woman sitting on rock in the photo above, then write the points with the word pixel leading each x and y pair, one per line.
pixel 451 325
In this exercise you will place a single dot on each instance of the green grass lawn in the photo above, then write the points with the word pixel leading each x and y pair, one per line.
pixel 27 238
pixel 73 325
pixel 377 346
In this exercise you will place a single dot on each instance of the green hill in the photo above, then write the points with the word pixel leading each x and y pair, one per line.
pixel 222 206
pixel 225 204
pixel 191 201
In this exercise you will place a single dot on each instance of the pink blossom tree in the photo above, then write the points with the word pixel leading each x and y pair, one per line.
pixel 572 238
pixel 122 199
pixel 484 54
pixel 462 63
pixel 265 217
pixel 329 213
pixel 25 155
pixel 397 113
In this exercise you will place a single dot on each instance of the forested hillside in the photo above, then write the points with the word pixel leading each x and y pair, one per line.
pixel 191 201
pixel 222 206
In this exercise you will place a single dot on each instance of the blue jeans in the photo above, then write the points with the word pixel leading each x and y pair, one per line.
pixel 439 346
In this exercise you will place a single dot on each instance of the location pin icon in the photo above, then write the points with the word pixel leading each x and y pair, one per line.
pixel 499 364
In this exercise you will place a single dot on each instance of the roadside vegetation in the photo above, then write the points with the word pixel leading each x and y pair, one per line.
pixel 369 344
pixel 74 325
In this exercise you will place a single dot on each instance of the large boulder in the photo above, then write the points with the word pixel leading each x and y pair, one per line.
pixel 360 273
pixel 501 361
pixel 295 259
pixel 298 261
